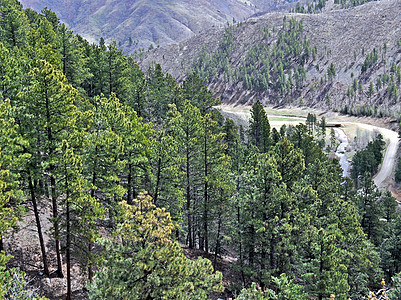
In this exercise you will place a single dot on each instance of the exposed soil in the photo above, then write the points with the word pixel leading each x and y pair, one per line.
pixel 343 37
pixel 24 246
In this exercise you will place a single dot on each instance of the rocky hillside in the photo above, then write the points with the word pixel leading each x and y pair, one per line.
pixel 135 24
pixel 346 59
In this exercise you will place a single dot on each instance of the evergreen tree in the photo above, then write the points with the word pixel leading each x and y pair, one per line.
pixel 214 163
pixel 259 128
pixel 194 90
pixel 323 126
pixel 162 90
pixel 50 100
pixel 72 57
pixel 370 210
pixel 371 90
pixel 167 188
pixel 14 25
pixel 81 210
pixel 185 128
pixel 391 249
pixel 10 161
pixel 331 72
pixel 142 261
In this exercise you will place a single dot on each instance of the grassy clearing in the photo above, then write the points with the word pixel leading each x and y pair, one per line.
pixel 285 119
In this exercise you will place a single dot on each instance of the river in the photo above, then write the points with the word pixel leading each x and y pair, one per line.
pixel 241 116
pixel 341 151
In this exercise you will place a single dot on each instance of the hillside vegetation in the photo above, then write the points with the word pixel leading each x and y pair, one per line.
pixel 350 59
pixel 108 171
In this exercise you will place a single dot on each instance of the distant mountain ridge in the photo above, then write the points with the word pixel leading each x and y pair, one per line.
pixel 362 44
pixel 141 23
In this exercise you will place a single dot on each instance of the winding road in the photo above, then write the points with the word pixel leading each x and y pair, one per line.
pixel 382 179
pixel 384 176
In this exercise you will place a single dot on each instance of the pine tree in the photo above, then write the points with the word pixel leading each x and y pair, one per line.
pixel 9 163
pixel 50 100
pixel 371 90
pixel 43 44
pixel 12 75
pixel 323 126
pixel 162 90
pixel 331 72
pixel 213 164
pixel 289 160
pixel 167 188
pixel 259 128
pixel 72 57
pixel 194 90
pixel 14 25
pixel 132 87
pixel 103 158
pixel 185 128
pixel 115 65
pixel 390 249
pixel 142 261
pixel 81 210
pixel 370 210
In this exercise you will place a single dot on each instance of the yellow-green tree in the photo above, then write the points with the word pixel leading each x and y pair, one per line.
pixel 143 262
pixel 49 116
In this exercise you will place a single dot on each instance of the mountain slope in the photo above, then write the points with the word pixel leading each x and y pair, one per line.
pixel 347 39
pixel 141 23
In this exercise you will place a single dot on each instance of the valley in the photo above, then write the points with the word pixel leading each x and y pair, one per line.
pixel 138 25
pixel 287 116
pixel 169 173
pixel 348 60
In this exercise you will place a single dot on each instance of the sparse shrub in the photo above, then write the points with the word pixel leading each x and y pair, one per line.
pixel 14 286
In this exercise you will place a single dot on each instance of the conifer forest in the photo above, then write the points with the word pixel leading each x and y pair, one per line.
pixel 137 186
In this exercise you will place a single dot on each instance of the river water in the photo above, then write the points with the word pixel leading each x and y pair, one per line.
pixel 341 151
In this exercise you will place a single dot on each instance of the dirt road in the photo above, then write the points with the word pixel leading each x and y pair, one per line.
pixel 389 161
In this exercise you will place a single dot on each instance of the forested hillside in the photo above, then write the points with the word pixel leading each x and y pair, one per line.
pixel 128 167
pixel 342 59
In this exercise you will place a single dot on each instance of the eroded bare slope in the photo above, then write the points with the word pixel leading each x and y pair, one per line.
pixel 134 24
pixel 343 37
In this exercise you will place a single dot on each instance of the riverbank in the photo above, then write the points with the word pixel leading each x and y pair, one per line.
pixel 350 127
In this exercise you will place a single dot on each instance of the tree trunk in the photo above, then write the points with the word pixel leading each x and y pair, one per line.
pixel 129 187
pixel 241 258
pixel 272 252
pixel 94 175
pixel 156 195
pixel 263 255
pixel 68 250
pixel 205 207
pixel 39 227
pixel 188 196
pixel 56 228
pixel 53 188
pixel 321 266
pixel 251 245
pixel 217 248
pixel 90 271
pixel 251 249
